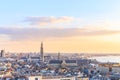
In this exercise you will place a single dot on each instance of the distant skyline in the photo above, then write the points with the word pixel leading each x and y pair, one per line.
pixel 62 25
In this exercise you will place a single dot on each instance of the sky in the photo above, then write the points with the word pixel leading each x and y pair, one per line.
pixel 90 26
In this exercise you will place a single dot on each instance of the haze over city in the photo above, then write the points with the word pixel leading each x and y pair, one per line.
pixel 62 25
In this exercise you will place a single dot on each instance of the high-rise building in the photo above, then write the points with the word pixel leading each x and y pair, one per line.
pixel 41 52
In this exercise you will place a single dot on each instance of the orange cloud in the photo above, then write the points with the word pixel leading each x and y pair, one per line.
pixel 45 33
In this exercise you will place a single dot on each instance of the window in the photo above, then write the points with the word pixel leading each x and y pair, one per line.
pixel 36 78
pixel 65 79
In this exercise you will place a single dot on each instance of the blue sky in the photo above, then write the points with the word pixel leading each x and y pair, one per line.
pixel 87 25
pixel 14 11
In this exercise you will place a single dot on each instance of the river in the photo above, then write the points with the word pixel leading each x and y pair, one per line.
pixel 114 59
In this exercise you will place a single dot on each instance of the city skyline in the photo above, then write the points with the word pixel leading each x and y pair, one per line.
pixel 63 26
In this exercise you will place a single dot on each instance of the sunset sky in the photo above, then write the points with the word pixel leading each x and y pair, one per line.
pixel 62 25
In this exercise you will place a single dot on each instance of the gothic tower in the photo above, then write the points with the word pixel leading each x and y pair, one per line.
pixel 58 55
pixel 41 52
pixel 2 53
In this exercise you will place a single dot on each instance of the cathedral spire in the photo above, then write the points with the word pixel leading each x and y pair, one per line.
pixel 41 52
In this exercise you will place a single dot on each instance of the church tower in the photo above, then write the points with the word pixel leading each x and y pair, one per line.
pixel 58 55
pixel 2 53
pixel 41 52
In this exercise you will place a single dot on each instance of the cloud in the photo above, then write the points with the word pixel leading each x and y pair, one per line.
pixel 48 20
pixel 47 33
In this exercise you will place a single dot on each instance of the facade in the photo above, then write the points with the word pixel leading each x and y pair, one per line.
pixel 34 59
pixel 55 63
pixel 30 59
pixel 39 77
pixel 35 78
pixel 63 63
pixel 71 63
pixel 83 78
pixel 106 69
pixel 58 78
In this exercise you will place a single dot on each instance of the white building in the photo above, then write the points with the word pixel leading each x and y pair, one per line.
pixel 35 78
pixel 58 78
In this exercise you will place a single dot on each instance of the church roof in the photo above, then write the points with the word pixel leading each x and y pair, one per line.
pixel 55 61
pixel 60 61
pixel 70 61
pixel 23 58
pixel 82 61
pixel 35 57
